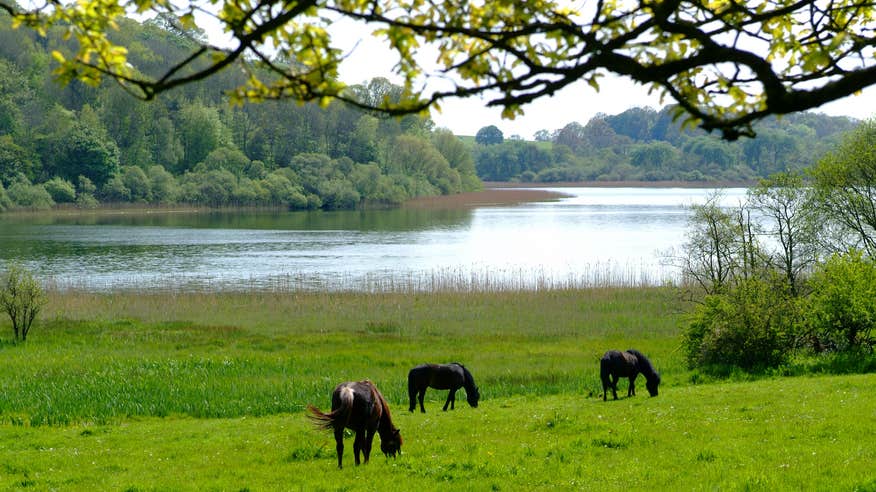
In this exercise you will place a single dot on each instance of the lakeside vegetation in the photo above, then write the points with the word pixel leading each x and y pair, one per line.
pixel 206 391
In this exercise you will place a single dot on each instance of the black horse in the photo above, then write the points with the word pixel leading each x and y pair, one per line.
pixel 360 407
pixel 444 377
pixel 615 365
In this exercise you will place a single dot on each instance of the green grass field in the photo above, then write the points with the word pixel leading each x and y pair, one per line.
pixel 184 391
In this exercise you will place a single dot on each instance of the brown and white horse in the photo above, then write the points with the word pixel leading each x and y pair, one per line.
pixel 360 407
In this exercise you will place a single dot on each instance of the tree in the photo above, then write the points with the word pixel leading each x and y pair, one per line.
pixel 458 156
pixel 86 151
pixel 711 254
pixel 845 184
pixel 784 204
pixel 201 131
pixel 572 136
pixel 489 135
pixel 725 64
pixel 22 297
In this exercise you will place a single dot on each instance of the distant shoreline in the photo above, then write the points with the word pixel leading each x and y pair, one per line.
pixel 511 193
pixel 495 193
pixel 622 184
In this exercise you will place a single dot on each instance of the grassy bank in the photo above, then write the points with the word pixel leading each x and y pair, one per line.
pixel 206 391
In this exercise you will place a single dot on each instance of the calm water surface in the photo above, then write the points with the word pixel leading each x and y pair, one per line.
pixel 594 236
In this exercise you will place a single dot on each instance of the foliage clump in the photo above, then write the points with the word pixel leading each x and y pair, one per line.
pixel 842 306
pixel 748 327
pixel 22 297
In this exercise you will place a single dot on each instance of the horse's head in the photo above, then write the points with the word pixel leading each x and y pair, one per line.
pixel 473 396
pixel 651 384
pixel 391 444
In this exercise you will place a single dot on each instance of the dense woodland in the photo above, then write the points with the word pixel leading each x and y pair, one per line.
pixel 647 145
pixel 87 145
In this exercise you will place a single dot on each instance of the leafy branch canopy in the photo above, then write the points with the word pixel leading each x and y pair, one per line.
pixel 726 63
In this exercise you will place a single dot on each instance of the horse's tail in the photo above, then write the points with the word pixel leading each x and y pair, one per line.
pixel 645 366
pixel 412 378
pixel 338 416
pixel 604 368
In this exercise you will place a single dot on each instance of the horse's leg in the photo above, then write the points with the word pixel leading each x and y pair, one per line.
pixel 614 380
pixel 450 397
pixel 420 397
pixel 412 395
pixel 339 445
pixel 632 390
pixel 358 444
pixel 369 439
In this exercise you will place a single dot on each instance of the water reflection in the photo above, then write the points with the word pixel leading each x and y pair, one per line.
pixel 594 235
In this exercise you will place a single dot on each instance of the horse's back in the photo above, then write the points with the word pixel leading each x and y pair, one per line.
pixel 438 376
pixel 615 362
pixel 359 400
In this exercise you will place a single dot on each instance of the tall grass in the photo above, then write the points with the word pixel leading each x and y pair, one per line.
pixel 450 279
pixel 106 356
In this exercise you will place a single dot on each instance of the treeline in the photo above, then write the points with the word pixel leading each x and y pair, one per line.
pixel 88 145
pixel 644 144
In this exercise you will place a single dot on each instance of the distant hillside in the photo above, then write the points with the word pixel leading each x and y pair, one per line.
pixel 642 144
pixel 91 145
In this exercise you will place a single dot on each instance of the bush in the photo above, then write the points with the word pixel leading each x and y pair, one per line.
pixel 27 195
pixel 61 190
pixel 22 297
pixel 137 183
pixel 115 190
pixel 5 202
pixel 85 197
pixel 841 310
pixel 163 184
pixel 751 326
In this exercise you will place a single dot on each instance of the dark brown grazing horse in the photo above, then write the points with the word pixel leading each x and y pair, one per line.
pixel 360 407
pixel 615 365
pixel 444 377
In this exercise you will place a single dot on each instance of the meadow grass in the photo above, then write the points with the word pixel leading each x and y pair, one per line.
pixel 779 434
pixel 196 391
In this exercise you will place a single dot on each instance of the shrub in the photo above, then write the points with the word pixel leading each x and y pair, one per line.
pixel 27 195
pixel 22 297
pixel 115 190
pixel 85 198
pixel 137 183
pixel 163 184
pixel 61 190
pixel 751 326
pixel 5 202
pixel 841 310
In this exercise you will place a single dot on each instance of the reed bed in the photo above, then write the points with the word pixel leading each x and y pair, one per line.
pixel 472 279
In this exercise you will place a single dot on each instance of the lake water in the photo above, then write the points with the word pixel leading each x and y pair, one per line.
pixel 595 236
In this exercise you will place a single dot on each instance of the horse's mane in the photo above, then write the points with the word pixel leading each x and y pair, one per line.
pixel 645 365
pixel 469 379
pixel 386 416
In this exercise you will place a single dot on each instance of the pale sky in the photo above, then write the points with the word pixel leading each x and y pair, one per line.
pixel 579 102
pixel 369 58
